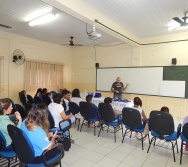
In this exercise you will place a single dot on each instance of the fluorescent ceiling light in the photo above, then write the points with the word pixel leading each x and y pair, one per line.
pixel 37 13
pixel 43 19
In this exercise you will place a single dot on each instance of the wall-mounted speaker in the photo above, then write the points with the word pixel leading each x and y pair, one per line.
pixel 97 65
pixel 174 61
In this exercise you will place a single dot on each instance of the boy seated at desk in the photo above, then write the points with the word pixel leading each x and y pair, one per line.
pixel 108 100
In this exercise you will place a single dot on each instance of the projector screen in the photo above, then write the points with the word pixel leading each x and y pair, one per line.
pixel 141 80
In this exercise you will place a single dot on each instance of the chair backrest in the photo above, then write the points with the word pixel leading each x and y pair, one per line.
pixel 22 98
pixel 21 110
pixel 30 99
pixel 106 112
pixel 74 108
pixel 131 117
pixel 86 110
pixel 185 130
pixel 38 99
pixel 161 123
pixel 46 99
pixel 21 144
pixel 65 125
pixel 2 142
pixel 51 120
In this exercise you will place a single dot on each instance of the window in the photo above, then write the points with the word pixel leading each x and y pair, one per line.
pixel 43 75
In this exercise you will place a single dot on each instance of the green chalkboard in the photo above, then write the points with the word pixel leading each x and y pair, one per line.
pixel 177 73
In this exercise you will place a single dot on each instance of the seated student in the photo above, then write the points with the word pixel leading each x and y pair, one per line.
pixel 94 107
pixel 38 93
pixel 36 127
pixel 47 98
pixel 66 99
pixel 184 122
pixel 57 110
pixel 76 96
pixel 165 109
pixel 76 99
pixel 44 91
pixel 137 105
pixel 108 100
pixel 5 109
pixel 25 94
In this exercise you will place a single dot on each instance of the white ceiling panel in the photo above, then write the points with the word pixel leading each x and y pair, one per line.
pixel 144 18
pixel 58 31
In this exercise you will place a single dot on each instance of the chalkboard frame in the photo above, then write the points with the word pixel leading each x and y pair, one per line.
pixel 174 66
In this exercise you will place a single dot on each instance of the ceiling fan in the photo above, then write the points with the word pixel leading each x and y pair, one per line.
pixel 71 43
pixel 182 23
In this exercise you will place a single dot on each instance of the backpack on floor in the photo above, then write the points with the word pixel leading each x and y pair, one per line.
pixel 65 141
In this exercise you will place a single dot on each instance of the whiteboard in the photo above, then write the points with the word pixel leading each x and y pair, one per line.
pixel 142 80
pixel 172 88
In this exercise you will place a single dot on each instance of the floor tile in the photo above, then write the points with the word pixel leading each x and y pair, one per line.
pixel 82 162
pixel 107 161
pixel 94 156
pixel 70 158
pixel 117 155
pixel 103 150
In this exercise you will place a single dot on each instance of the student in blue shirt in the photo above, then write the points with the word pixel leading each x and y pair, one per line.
pixel 36 128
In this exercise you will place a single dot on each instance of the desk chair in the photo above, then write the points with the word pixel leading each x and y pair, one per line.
pixel 64 126
pixel 6 152
pixel 132 120
pixel 22 98
pixel 184 140
pixel 87 114
pixel 161 125
pixel 38 99
pixel 25 152
pixel 107 117
pixel 75 109
pixel 30 99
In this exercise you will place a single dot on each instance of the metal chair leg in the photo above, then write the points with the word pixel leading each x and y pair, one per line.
pixel 78 124
pixel 153 138
pixel 181 152
pixel 100 130
pixel 94 129
pixel 82 125
pixel 115 134
pixel 177 147
pixel 173 151
pixel 142 141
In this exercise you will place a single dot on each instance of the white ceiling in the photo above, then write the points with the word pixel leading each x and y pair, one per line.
pixel 143 18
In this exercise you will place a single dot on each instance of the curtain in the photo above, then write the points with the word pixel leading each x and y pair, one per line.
pixel 43 75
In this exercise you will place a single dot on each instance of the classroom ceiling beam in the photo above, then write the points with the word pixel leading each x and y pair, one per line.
pixel 86 14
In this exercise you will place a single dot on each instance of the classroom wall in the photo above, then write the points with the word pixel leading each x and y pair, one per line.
pixel 13 75
pixel 84 73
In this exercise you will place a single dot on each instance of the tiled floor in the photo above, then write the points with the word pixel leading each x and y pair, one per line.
pixel 93 151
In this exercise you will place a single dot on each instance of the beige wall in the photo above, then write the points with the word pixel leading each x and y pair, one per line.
pixel 84 73
pixel 13 75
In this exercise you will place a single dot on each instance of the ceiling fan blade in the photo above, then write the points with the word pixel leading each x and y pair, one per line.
pixel 4 26
pixel 178 20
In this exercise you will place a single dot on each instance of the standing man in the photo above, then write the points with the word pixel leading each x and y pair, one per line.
pixel 118 88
